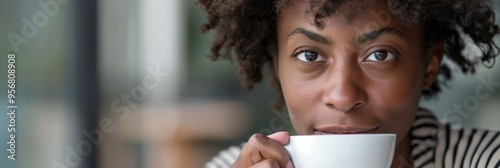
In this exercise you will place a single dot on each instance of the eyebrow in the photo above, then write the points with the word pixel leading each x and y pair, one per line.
pixel 370 36
pixel 366 37
pixel 313 36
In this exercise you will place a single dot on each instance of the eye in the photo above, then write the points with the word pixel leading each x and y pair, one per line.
pixel 380 55
pixel 310 56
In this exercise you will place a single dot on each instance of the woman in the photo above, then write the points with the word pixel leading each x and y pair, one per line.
pixel 346 67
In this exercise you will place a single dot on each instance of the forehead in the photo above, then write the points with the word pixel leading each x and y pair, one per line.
pixel 344 11
pixel 323 8
pixel 354 18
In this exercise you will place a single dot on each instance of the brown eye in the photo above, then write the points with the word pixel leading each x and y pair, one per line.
pixel 381 55
pixel 310 56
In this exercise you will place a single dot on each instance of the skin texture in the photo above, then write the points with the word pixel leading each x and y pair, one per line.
pixel 246 32
pixel 345 79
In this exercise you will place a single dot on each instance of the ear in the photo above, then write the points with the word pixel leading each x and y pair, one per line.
pixel 433 64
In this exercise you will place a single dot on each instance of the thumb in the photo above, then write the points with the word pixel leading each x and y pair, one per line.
pixel 282 137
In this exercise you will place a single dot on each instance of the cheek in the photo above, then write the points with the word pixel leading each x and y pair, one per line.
pixel 301 97
pixel 400 91
pixel 397 97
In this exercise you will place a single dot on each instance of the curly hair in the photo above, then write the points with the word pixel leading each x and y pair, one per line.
pixel 246 30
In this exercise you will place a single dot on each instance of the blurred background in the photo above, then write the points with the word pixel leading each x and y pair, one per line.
pixel 126 83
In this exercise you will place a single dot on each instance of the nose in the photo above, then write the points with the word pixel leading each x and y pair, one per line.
pixel 344 90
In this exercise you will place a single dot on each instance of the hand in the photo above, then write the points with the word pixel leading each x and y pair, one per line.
pixel 265 152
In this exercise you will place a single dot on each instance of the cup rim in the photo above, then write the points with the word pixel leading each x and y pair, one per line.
pixel 335 135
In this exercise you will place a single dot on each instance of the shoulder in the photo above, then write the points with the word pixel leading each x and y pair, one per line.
pixel 424 135
pixel 467 147
pixel 442 145
pixel 225 158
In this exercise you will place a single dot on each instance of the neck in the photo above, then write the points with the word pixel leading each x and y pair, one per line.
pixel 402 154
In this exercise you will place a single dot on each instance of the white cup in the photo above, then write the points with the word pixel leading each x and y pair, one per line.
pixel 342 150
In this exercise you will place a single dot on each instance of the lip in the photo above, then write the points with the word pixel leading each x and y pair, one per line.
pixel 343 129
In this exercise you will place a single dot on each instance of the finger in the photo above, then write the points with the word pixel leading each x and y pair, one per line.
pixel 268 163
pixel 290 164
pixel 281 137
pixel 260 147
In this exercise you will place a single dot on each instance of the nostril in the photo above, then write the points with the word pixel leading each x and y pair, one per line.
pixel 344 97
pixel 357 105
pixel 345 109
pixel 330 105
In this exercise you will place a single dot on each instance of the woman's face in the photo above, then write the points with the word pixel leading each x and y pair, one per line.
pixel 363 75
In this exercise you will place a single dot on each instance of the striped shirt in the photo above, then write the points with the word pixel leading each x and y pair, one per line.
pixel 432 144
